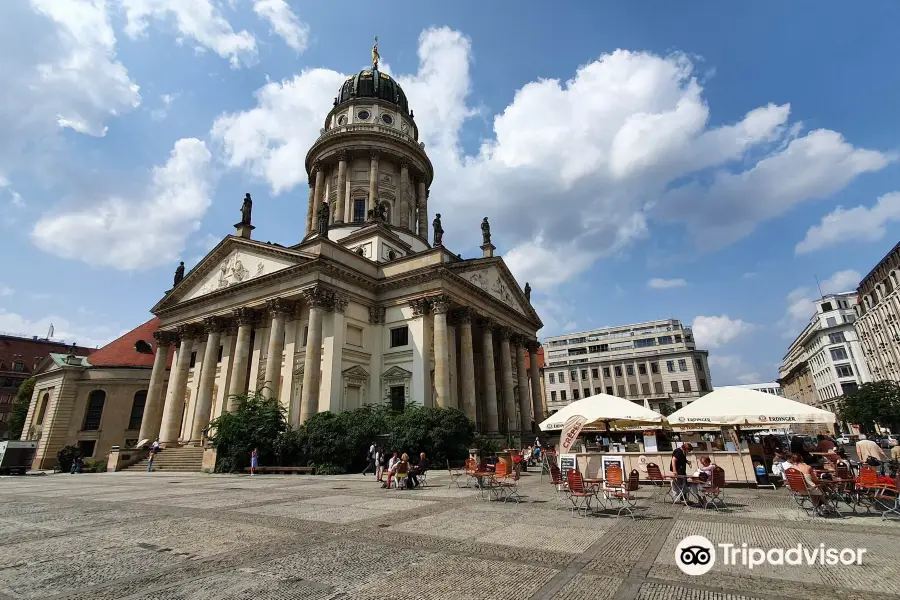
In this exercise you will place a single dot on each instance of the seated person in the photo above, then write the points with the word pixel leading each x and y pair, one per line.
pixel 417 470
pixel 391 469
pixel 402 468
pixel 704 474
pixel 824 445
pixel 809 475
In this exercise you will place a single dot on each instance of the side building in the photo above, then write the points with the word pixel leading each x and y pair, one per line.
pixel 826 360
pixel 878 322
pixel 655 364
pixel 768 387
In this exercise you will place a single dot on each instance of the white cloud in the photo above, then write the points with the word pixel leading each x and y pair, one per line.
pixel 661 284
pixel 59 71
pixel 63 329
pixel 199 20
pixel 5 290
pixel 860 223
pixel 165 103
pixel 714 332
pixel 801 301
pixel 574 169
pixel 141 232
pixel 556 313
pixel 732 369
pixel 284 22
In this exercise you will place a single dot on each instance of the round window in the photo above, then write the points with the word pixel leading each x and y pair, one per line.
pixel 342 120
pixel 388 119
pixel 363 115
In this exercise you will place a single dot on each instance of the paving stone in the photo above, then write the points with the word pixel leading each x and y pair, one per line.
pixel 656 591
pixel 242 585
pixel 589 587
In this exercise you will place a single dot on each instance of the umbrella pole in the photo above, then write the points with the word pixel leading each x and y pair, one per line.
pixel 737 430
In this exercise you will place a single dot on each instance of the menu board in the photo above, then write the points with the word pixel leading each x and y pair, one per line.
pixel 567 463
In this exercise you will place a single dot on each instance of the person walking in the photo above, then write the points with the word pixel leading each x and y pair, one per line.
pixel 379 463
pixel 254 461
pixel 870 453
pixel 370 458
pixel 150 461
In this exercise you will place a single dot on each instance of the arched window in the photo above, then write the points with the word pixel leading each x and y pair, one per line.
pixel 94 411
pixel 137 409
pixel 42 409
pixel 359 210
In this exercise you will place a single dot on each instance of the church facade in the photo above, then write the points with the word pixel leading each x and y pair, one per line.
pixel 368 308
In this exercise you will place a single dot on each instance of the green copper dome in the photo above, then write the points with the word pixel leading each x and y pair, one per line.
pixel 372 83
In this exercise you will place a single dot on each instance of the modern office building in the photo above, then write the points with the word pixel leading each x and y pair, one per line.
pixel 826 360
pixel 656 364
pixel 878 317
pixel 769 387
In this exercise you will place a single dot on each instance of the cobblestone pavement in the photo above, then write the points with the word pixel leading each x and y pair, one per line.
pixel 192 536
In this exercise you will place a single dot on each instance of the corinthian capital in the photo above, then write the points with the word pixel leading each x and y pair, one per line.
pixel 164 338
pixel 440 304
pixel 505 333
pixel 278 307
pixel 244 316
pixel 317 297
pixel 419 306
pixel 212 325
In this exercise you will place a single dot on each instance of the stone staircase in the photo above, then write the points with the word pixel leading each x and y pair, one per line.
pixel 186 460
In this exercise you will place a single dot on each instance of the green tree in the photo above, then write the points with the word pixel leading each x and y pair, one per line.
pixel 441 433
pixel 20 408
pixel 876 402
pixel 258 422
pixel 338 443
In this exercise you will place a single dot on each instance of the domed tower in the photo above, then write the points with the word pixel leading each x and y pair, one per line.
pixel 368 166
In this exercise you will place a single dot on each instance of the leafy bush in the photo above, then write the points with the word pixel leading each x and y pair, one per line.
pixel 65 456
pixel 342 440
pixel 487 446
pixel 95 466
pixel 441 433
pixel 258 423
pixel 20 408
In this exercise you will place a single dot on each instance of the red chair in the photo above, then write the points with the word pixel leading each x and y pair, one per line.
pixel 714 494
pixel 579 495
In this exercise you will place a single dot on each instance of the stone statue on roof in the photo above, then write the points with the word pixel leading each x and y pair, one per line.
pixel 322 219
pixel 246 210
pixel 528 291
pixel 438 230
pixel 179 273
pixel 486 230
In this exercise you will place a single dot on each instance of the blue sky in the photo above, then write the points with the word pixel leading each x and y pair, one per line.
pixel 637 161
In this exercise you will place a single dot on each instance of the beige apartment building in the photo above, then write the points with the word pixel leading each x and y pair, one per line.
pixel 878 322
pixel 656 364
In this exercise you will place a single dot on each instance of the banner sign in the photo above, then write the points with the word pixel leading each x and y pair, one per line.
pixel 570 432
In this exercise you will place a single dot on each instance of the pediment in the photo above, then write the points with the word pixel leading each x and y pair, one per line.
pixel 356 372
pixel 499 284
pixel 396 373
pixel 233 262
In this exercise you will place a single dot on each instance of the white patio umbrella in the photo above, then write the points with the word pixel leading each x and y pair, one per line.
pixel 743 407
pixel 602 410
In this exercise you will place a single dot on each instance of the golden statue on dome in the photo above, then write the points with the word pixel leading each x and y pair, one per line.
pixel 375 56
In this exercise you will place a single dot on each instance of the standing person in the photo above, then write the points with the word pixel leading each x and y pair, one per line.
pixel 390 469
pixel 895 450
pixel 379 463
pixel 870 453
pixel 150 461
pixel 254 461
pixel 154 447
pixel 370 458
pixel 679 467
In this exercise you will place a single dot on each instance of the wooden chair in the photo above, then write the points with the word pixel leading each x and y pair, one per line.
pixel 800 493
pixel 891 508
pixel 619 490
pixel 579 495
pixel 505 484
pixel 455 475
pixel 560 486
pixel 656 477
pixel 714 494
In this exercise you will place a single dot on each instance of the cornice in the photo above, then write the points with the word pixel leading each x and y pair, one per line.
pixel 362 138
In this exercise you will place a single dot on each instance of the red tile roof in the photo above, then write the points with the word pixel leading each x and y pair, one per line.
pixel 121 352
pixel 540 357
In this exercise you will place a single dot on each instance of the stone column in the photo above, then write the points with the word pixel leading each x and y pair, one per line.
pixel 316 298
pixel 536 403
pixel 310 208
pixel 509 396
pixel 373 179
pixel 403 205
pixel 172 412
pixel 202 407
pixel 278 309
pixel 244 318
pixel 524 396
pixel 491 417
pixel 467 366
pixel 153 408
pixel 341 187
pixel 317 194
pixel 422 199
pixel 439 306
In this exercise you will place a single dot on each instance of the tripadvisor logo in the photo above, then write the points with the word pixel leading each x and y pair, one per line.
pixel 696 555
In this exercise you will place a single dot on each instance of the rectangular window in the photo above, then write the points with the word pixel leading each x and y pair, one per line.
pixel 398 397
pixel 699 364
pixel 94 411
pixel 595 373
pixel 137 410
pixel 606 371
pixel 826 307
pixel 682 364
pixel 305 336
pixel 584 374
pixel 642 369
pixel 838 354
pixel 629 369
pixel 574 375
pixel 621 389
pixel 645 388
pixel 575 394
pixel 666 339
pixel 686 384
pixel 399 337
pixel 654 367
pixel 644 343
pixel 598 391
pixel 675 386
pixel 657 387
pixel 587 392
pixel 553 396
pixel 844 370
pixel 670 366
pixel 19 366
pixel 618 371
pixel 553 378
pixel 836 338
pixel 703 387
pixel 831 321
pixel 359 210
pixel 849 387
pixel 562 377
pixel 219 357
pixel 562 395
pixel 609 390
pixel 632 389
